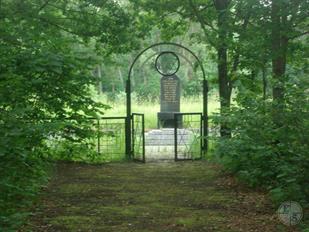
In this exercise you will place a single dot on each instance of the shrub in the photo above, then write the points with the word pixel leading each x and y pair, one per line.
pixel 264 153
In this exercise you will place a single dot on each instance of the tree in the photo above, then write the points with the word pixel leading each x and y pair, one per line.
pixel 287 20
pixel 218 21
pixel 48 51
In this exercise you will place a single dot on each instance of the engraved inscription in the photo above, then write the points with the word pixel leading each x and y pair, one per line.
pixel 170 94
pixel 170 90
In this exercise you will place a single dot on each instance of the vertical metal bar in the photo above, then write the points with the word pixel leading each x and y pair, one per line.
pixel 158 123
pixel 128 120
pixel 133 137
pixel 205 116
pixel 99 137
pixel 175 136
pixel 201 135
pixel 143 136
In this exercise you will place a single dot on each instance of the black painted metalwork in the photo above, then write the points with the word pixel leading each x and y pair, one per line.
pixel 188 134
pixel 128 120
pixel 111 137
pixel 157 65
pixel 107 139
pixel 128 98
pixel 205 117
pixel 99 137
pixel 138 137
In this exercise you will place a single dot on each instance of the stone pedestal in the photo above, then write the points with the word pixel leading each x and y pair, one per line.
pixel 166 120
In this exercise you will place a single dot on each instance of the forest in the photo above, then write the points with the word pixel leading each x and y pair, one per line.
pixel 64 62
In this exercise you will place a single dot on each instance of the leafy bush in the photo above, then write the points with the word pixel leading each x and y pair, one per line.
pixel 20 181
pixel 44 77
pixel 148 92
pixel 266 154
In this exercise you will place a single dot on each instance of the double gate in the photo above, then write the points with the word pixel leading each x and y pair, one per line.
pixel 190 129
pixel 189 139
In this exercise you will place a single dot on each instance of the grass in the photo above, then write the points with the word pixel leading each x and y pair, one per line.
pixel 150 109
pixel 183 196
pixel 113 147
pixel 114 151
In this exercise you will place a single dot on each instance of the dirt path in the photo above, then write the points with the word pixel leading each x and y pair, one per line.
pixel 183 196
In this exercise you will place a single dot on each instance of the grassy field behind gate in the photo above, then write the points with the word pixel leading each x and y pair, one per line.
pixel 112 148
pixel 150 109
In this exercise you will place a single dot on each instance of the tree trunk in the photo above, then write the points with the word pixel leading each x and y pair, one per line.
pixel 279 49
pixel 264 81
pixel 224 81
pixel 99 76
pixel 121 79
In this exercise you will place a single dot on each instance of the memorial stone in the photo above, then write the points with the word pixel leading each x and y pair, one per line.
pixel 169 101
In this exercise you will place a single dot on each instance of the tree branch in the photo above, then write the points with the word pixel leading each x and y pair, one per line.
pixel 43 6
pixel 237 55
pixel 206 7
pixel 202 22
pixel 76 11
pixel 58 26
pixel 299 35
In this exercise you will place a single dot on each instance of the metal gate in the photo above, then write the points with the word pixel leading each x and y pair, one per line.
pixel 138 137
pixel 188 132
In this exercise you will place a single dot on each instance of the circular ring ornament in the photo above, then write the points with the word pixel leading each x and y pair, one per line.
pixel 172 66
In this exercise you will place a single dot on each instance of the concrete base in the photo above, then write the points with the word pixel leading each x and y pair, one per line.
pixel 167 120
pixel 160 144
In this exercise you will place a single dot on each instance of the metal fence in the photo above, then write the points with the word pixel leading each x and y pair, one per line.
pixel 138 137
pixel 101 139
pixel 111 137
pixel 188 134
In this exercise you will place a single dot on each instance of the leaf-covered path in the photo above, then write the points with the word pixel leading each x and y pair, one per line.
pixel 183 196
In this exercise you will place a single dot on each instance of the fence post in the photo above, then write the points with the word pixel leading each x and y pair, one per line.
pixel 205 116
pixel 175 136
pixel 99 137
pixel 128 121
pixel 143 136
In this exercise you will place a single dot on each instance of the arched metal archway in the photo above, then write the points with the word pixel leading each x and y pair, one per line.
pixel 128 97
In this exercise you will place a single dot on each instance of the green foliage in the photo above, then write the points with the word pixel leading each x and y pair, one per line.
pixel 148 92
pixel 265 155
pixel 50 50
pixel 20 181
pixel 73 147
pixel 48 53
pixel 192 88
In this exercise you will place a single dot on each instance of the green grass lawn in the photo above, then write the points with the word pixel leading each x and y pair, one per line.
pixel 151 109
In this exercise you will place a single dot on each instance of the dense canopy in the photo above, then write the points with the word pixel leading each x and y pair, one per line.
pixel 64 61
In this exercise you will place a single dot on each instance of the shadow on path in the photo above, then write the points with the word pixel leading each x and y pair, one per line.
pixel 181 196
